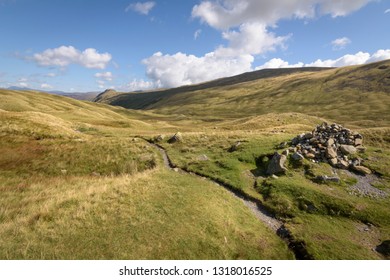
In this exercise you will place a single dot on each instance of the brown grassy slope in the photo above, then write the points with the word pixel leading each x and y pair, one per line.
pixel 356 95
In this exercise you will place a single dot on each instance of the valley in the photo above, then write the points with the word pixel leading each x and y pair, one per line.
pixel 105 180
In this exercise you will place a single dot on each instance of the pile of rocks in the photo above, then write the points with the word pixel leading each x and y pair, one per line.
pixel 333 144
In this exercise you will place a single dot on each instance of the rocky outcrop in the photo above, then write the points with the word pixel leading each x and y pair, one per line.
pixel 334 144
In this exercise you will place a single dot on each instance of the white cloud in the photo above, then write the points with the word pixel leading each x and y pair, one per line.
pixel 380 55
pixel 352 59
pixel 387 11
pixel 182 69
pixel 245 25
pixel 252 38
pixel 23 84
pixel 340 43
pixel 138 84
pixel 46 86
pixel 66 55
pixel 224 14
pixel 51 75
pixel 278 63
pixel 104 75
pixel 197 34
pixel 141 8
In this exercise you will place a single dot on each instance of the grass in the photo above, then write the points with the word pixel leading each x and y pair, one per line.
pixel 355 96
pixel 297 198
pixel 80 189
pixel 77 182
pixel 153 215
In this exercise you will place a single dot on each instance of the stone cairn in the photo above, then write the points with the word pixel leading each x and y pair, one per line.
pixel 329 143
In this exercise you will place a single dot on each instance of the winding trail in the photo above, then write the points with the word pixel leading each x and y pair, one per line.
pixel 255 205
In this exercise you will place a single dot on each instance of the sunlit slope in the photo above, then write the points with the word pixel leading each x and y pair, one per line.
pixel 66 108
pixel 358 95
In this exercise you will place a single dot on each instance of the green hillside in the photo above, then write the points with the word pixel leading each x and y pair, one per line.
pixel 357 95
pixel 83 180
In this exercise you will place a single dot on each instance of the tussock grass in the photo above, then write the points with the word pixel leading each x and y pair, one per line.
pixel 153 215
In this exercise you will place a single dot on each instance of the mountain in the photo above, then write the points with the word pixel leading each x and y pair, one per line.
pixel 88 96
pixel 357 95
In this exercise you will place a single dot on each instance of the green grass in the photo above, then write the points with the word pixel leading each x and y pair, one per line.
pixel 296 196
pixel 77 183
pixel 153 215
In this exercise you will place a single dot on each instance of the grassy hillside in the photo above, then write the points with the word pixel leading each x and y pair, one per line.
pixel 76 184
pixel 357 95
pixel 78 180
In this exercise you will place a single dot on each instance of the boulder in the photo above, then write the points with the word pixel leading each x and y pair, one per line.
pixel 310 156
pixel 160 138
pixel 343 164
pixel 297 156
pixel 358 142
pixel 176 138
pixel 330 152
pixel 348 149
pixel 276 164
pixel 333 161
pixel 361 169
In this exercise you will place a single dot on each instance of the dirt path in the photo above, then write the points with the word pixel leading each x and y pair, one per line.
pixel 267 218
pixel 364 187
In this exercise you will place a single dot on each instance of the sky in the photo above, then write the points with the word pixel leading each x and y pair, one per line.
pixel 92 45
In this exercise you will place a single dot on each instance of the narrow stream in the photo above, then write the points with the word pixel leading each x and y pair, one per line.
pixel 260 212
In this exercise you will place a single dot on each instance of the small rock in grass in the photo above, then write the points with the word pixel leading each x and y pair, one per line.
pixel 361 169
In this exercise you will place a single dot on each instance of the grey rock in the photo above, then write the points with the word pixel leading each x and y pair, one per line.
pixel 297 156
pixel 310 156
pixel 330 153
pixel 358 142
pixel 160 138
pixel 176 138
pixel 276 164
pixel 348 149
pixel 342 164
pixel 361 169
pixel 325 178
pixel 333 161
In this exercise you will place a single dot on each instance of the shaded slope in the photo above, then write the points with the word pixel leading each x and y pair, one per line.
pixel 357 95
pixel 144 100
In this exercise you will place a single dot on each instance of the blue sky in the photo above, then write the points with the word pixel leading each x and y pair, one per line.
pixel 91 45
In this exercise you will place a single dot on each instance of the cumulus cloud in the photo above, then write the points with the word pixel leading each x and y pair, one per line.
pixel 66 55
pixel 46 86
pixel 105 76
pixel 142 8
pixel 182 69
pixel 346 60
pixel 139 84
pixel 278 63
pixel 252 38
pixel 224 14
pixel 340 43
pixel 246 26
